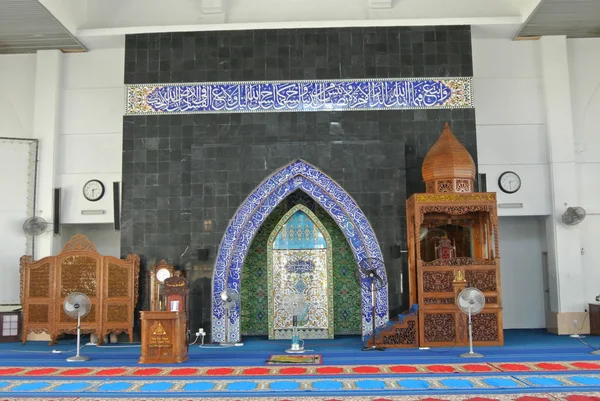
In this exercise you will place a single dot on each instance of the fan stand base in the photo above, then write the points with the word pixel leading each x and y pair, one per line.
pixel 79 358
pixel 295 351
pixel 231 344
pixel 471 355
pixel 373 348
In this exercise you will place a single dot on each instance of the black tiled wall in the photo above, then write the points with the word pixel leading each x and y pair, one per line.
pixel 181 170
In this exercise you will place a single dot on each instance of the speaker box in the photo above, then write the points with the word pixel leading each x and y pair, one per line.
pixel 203 254
pixel 481 182
pixel 56 215
pixel 117 205
pixel 396 251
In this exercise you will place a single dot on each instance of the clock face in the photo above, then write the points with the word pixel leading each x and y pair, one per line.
pixel 93 190
pixel 162 275
pixel 509 182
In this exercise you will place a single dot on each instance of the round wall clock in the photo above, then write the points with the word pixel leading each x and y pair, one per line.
pixel 93 190
pixel 162 275
pixel 509 182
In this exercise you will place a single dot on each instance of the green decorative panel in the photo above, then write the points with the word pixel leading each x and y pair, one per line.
pixel 346 287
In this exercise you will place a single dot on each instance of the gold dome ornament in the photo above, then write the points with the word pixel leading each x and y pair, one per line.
pixel 448 166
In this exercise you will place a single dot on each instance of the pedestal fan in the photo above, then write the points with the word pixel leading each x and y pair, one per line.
pixel 471 301
pixel 76 306
pixel 372 279
pixel 230 298
pixel 297 306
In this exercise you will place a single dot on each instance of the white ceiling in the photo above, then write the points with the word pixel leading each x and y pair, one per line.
pixel 27 26
pixel 104 23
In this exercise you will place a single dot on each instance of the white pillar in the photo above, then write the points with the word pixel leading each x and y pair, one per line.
pixel 564 245
pixel 46 111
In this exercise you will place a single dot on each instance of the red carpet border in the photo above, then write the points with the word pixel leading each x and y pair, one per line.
pixel 503 397
pixel 298 370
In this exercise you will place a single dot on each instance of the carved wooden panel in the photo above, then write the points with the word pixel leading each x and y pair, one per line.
pixel 439 301
pixel 437 281
pixel 39 282
pixel 38 313
pixel 119 279
pixel 106 280
pixel 439 328
pixel 484 280
pixel 486 327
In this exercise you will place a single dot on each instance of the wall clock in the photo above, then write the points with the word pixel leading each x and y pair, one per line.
pixel 93 190
pixel 509 182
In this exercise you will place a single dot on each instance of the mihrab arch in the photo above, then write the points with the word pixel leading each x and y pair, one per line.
pixel 254 210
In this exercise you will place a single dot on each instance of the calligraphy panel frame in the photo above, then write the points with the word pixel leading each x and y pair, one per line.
pixel 299 96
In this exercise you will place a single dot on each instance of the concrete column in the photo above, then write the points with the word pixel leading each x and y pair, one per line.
pixel 564 245
pixel 46 113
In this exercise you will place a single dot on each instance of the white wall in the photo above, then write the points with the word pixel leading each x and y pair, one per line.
pixel 107 240
pixel 584 59
pixel 522 241
pixel 17 79
pixel 91 131
pixel 509 112
pixel 14 174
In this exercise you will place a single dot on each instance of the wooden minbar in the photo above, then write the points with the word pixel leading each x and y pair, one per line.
pixel 453 244
pixel 164 337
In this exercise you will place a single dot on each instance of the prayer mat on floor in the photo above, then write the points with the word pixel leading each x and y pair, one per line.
pixel 314 359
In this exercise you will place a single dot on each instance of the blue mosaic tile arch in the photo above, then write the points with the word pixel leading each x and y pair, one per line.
pixel 255 209
pixel 330 95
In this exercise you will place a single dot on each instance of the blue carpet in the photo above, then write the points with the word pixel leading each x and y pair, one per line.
pixel 520 346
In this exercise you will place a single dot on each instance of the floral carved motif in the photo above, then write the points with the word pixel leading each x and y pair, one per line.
pixel 444 186
pixel 438 301
pixel 491 300
pixel 484 280
pixel 438 281
pixel 463 186
pixel 459 262
pixel 439 328
pixel 456 210
pixel 456 197
pixel 485 327
pixel 79 243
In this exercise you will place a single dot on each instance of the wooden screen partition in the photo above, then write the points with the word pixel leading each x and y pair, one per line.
pixel 112 284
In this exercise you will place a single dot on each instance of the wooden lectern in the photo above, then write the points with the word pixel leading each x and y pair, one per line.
pixel 163 337
pixel 164 333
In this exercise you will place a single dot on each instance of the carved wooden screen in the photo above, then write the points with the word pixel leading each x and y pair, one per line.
pixel 110 283
pixel 120 287
pixel 37 295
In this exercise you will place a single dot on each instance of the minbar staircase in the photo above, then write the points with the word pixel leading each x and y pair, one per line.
pixel 400 332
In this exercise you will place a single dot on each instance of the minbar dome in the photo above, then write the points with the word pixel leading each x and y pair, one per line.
pixel 448 167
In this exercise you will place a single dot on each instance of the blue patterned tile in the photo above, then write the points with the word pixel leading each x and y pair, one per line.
pixel 334 95
pixel 255 209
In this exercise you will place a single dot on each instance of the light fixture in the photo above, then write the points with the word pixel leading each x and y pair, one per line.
pixel 510 205
pixel 92 212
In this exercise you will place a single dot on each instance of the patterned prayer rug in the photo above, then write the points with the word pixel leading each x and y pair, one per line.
pixel 392 385
pixel 314 359
pixel 275 370
pixel 472 397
